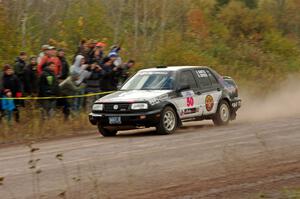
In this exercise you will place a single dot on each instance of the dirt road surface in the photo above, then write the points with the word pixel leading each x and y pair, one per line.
pixel 242 160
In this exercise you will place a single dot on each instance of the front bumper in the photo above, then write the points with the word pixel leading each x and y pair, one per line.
pixel 236 104
pixel 145 119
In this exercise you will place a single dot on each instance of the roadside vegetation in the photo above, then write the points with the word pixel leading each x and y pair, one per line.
pixel 254 41
pixel 33 128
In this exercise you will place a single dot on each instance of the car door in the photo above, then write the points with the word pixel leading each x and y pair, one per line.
pixel 188 101
pixel 210 91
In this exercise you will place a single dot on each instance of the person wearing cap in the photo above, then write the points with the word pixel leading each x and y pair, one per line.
pixel 117 60
pixel 126 67
pixel 97 54
pixel 8 105
pixel 11 81
pixel 48 87
pixel 93 83
pixel 30 77
pixel 19 66
pixel 44 50
pixel 50 56
pixel 68 87
pixel 110 75
pixel 64 65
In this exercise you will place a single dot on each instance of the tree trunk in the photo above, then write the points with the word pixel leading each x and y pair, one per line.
pixel 136 25
pixel 163 20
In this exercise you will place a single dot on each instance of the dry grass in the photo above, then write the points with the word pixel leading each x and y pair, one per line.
pixel 33 128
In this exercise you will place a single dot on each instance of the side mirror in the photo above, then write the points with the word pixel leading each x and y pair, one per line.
pixel 183 87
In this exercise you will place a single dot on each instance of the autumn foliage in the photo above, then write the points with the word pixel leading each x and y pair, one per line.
pixel 255 41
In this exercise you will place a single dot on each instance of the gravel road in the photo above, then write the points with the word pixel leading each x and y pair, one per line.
pixel 242 160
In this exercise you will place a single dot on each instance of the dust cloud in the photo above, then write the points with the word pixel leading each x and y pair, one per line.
pixel 281 102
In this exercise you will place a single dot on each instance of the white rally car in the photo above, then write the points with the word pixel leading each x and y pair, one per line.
pixel 164 97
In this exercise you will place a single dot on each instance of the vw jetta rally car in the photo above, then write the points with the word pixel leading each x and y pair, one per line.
pixel 164 97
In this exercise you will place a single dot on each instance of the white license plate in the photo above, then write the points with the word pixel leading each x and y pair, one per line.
pixel 115 120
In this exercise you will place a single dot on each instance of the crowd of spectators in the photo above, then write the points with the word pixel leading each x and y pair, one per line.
pixel 93 70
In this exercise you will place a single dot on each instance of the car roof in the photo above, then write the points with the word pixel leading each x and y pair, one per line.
pixel 174 68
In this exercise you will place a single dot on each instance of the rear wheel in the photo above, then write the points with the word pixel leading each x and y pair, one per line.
pixel 222 117
pixel 107 132
pixel 168 122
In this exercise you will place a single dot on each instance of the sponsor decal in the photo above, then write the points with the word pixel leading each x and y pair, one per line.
pixel 188 93
pixel 190 102
pixel 209 103
pixel 158 100
pixel 189 111
pixel 153 73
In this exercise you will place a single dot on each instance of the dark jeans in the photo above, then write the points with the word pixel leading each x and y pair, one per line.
pixel 48 107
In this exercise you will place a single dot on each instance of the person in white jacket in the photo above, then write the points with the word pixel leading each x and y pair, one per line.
pixel 79 67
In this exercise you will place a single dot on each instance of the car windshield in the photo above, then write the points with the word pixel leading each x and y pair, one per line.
pixel 151 80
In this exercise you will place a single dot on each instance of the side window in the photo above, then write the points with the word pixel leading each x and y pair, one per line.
pixel 204 79
pixel 212 78
pixel 187 78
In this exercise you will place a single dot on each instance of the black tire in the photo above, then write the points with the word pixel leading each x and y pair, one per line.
pixel 106 132
pixel 164 127
pixel 223 114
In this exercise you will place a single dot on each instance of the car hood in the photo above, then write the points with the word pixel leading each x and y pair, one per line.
pixel 134 96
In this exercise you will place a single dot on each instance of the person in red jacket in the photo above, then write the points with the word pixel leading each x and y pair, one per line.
pixel 50 56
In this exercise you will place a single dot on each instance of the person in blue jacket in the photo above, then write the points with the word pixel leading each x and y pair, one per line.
pixel 8 105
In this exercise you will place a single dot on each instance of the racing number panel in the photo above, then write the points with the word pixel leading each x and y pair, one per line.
pixel 203 97
pixel 188 102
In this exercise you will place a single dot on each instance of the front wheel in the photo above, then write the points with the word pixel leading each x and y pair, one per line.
pixel 168 122
pixel 106 132
pixel 222 117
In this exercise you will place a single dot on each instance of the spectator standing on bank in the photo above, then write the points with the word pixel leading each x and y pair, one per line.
pixel 126 71
pixel 20 65
pixel 83 49
pixel 80 67
pixel 8 105
pixel 110 75
pixel 30 77
pixel 43 52
pixel 93 84
pixel 69 88
pixel 97 54
pixel 48 87
pixel 64 65
pixel 115 55
pixel 11 82
pixel 50 56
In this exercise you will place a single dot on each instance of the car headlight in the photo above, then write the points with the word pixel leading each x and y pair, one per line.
pixel 139 106
pixel 98 107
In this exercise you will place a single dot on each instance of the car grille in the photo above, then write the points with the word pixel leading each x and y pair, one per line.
pixel 120 107
pixel 115 108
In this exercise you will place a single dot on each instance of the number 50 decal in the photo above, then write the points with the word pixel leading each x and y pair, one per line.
pixel 190 102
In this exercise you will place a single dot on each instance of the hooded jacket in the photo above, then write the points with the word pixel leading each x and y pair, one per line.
pixel 80 69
